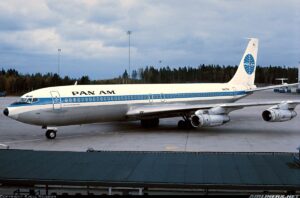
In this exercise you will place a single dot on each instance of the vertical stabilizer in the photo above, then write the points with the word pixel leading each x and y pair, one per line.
pixel 245 74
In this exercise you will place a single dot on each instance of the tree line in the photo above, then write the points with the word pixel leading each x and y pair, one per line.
pixel 15 83
pixel 211 73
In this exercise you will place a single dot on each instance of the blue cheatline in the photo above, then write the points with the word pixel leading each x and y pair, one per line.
pixel 45 101
pixel 249 64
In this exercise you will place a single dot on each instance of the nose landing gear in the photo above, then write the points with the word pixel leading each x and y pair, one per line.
pixel 51 133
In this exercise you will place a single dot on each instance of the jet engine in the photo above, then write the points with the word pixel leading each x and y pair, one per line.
pixel 206 120
pixel 278 115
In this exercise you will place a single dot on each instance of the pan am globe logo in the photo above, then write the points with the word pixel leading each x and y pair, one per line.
pixel 249 64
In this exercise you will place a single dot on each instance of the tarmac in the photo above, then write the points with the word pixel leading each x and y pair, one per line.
pixel 246 132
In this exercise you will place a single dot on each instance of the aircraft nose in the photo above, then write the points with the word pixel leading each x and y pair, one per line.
pixel 5 111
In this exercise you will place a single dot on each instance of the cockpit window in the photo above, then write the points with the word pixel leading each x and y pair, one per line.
pixel 28 100
pixel 23 100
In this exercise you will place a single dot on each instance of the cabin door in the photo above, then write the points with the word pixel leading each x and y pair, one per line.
pixel 56 100
pixel 162 98
pixel 150 98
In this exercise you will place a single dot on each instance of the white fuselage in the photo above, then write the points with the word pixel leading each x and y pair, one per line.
pixel 81 104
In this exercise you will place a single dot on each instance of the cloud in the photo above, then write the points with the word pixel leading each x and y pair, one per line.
pixel 93 32
pixel 20 14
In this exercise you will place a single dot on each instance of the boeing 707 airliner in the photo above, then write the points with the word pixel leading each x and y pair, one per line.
pixel 199 104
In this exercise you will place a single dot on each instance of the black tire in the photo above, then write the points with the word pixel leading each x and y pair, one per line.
pixel 189 125
pixel 51 134
pixel 155 122
pixel 150 123
pixel 185 124
pixel 181 124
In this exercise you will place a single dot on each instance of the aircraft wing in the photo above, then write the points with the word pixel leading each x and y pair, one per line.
pixel 272 87
pixel 163 110
pixel 173 110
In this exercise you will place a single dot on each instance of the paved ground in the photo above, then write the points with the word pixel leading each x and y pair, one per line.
pixel 246 132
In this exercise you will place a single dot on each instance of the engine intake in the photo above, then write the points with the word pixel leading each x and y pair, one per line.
pixel 206 120
pixel 278 115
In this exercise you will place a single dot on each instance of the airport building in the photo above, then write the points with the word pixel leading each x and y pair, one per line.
pixel 27 172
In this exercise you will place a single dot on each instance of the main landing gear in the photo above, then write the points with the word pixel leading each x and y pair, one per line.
pixel 185 123
pixel 150 123
pixel 51 133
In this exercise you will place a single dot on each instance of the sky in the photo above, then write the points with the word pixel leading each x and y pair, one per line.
pixel 92 34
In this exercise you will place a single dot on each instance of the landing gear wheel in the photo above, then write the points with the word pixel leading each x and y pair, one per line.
pixel 184 124
pixel 181 124
pixel 150 123
pixel 51 134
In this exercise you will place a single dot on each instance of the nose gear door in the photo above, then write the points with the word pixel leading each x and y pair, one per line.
pixel 56 100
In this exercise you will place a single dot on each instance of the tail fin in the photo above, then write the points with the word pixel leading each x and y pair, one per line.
pixel 245 74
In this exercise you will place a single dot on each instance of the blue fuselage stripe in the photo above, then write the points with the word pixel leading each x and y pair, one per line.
pixel 114 98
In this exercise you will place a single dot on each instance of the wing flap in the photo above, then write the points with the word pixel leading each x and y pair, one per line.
pixel 164 110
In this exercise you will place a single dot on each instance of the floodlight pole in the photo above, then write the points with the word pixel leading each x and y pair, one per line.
pixel 58 61
pixel 129 71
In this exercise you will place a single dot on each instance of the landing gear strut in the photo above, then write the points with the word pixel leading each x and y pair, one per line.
pixel 185 123
pixel 51 133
